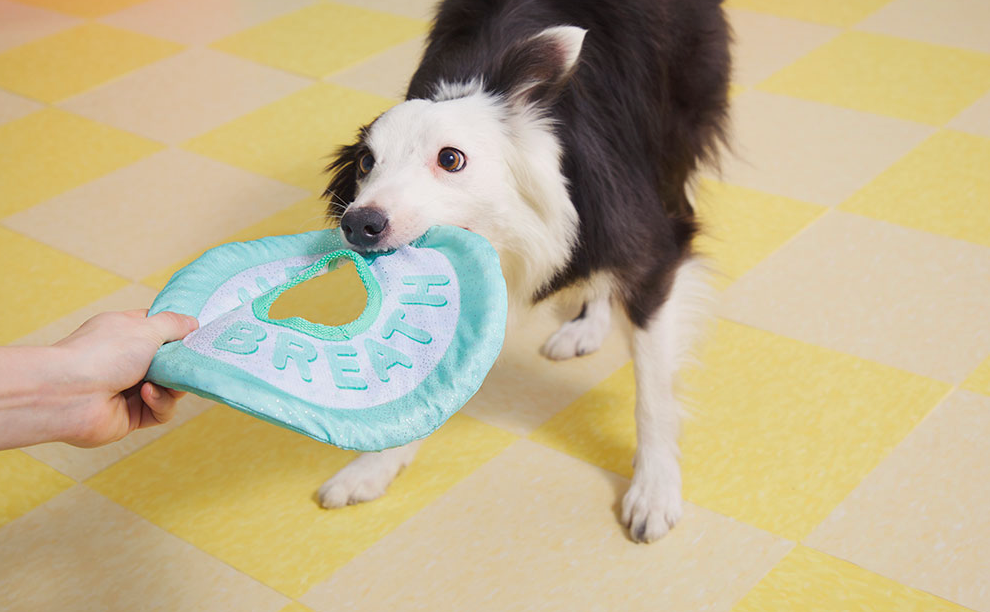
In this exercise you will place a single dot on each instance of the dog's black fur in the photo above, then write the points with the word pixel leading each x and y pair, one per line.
pixel 646 104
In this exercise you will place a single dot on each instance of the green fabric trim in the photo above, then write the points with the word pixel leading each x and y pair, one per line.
pixel 336 333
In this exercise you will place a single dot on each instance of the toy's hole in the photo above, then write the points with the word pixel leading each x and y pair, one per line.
pixel 335 298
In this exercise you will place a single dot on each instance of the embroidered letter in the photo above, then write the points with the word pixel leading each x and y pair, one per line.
pixel 301 352
pixel 241 338
pixel 396 323
pixel 339 356
pixel 384 357
pixel 422 296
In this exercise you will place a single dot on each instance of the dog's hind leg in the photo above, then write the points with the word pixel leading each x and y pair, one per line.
pixel 584 334
pixel 652 505
pixel 367 477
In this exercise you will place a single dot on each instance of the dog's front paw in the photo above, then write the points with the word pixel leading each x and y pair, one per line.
pixel 357 482
pixel 651 508
pixel 575 338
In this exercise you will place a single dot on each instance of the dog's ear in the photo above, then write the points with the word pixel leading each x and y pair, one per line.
pixel 536 70
pixel 343 180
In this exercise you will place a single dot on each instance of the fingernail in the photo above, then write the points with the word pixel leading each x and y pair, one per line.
pixel 156 393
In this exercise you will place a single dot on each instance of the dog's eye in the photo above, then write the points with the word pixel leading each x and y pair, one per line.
pixel 365 163
pixel 451 159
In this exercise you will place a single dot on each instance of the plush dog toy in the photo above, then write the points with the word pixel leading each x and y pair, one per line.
pixel 431 330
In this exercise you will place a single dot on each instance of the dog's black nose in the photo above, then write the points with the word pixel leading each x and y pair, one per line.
pixel 364 227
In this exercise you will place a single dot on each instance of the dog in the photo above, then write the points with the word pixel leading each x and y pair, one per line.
pixel 566 132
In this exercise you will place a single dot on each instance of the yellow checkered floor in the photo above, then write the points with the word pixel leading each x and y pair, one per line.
pixel 836 459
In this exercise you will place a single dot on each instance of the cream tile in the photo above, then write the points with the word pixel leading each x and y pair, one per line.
pixel 979 379
pixel 242 490
pixel 905 298
pixel 809 580
pixel 89 8
pixel 810 151
pixel 386 74
pixel 184 95
pixel 534 529
pixel 975 119
pixel 416 9
pixel 920 517
pixel 764 43
pixel 956 23
pixel 82 552
pixel 14 107
pixel 524 389
pixel 22 24
pixel 213 18
pixel 26 483
pixel 143 217
pixel 831 12
pixel 82 463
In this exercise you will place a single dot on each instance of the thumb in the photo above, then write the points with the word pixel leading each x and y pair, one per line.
pixel 171 326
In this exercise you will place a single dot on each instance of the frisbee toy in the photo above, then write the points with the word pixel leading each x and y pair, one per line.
pixel 431 329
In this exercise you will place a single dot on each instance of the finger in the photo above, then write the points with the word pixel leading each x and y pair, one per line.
pixel 160 401
pixel 171 326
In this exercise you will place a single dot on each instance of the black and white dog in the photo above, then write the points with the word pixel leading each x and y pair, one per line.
pixel 566 132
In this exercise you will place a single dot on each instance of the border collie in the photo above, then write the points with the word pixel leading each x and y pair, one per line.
pixel 566 132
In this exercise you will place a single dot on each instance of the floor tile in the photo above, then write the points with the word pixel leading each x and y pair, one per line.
pixel 184 95
pixel 979 379
pixel 291 140
pixel 242 490
pixel 741 227
pixel 942 186
pixel 830 12
pixel 955 23
pixel 386 74
pixel 534 529
pixel 14 107
pixel 975 119
pixel 158 210
pixel 763 44
pixel 89 8
pixel 215 19
pixel 811 152
pixel 809 580
pixel 928 527
pixel 416 9
pixel 84 553
pixel 26 483
pixel 891 76
pixel 299 41
pixel 909 299
pixel 22 23
pixel 41 284
pixel 295 607
pixel 35 165
pixel 768 441
pixel 55 67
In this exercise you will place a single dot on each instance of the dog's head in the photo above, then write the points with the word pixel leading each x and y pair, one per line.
pixel 480 154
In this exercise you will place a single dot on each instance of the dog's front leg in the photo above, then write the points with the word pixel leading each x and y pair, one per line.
pixel 367 477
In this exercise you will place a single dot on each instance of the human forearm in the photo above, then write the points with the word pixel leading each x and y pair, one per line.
pixel 34 406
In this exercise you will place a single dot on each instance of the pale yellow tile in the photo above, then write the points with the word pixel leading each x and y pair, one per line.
pixel 321 39
pixel 909 299
pixel 50 151
pixel 26 483
pixel 763 44
pixel 769 441
pixel 291 140
pixel 979 379
pixel 534 529
pixel 304 216
pixel 243 491
pixel 41 284
pixel 809 580
pixel 524 389
pixel 295 607
pixel 740 227
pixel 184 95
pixel 956 23
pixel 130 297
pixel 80 551
pixel 14 107
pixel 920 517
pixel 22 23
pixel 214 18
pixel 809 151
pixel 87 8
pixel 72 61
pixel 975 119
pixel 891 76
pixel 942 186
pixel 81 463
pixel 831 12
pixel 142 217
pixel 386 74
pixel 423 10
